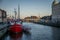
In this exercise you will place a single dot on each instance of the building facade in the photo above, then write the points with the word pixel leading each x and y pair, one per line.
pixel 55 11
pixel 3 16
pixel 31 19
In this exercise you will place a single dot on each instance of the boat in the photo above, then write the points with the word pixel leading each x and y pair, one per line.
pixel 16 28
pixel 26 29
pixel 16 25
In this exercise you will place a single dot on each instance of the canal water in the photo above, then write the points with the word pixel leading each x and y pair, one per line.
pixel 37 32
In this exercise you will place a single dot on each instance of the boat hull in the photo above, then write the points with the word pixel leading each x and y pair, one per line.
pixel 16 28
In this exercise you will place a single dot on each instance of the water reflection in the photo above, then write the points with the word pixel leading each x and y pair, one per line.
pixel 56 33
pixel 20 36
pixel 27 35
pixel 16 36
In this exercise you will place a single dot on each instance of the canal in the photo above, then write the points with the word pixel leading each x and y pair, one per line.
pixel 37 32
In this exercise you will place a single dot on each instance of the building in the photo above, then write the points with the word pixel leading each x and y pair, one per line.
pixel 4 26
pixel 55 11
pixel 46 19
pixel 27 19
pixel 32 19
pixel 3 16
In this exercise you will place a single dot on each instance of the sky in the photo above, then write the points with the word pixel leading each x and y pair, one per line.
pixel 27 7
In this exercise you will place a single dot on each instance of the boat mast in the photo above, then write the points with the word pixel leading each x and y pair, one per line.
pixel 18 11
pixel 15 13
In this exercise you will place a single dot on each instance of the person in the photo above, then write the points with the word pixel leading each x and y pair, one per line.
pixel 9 23
pixel 21 22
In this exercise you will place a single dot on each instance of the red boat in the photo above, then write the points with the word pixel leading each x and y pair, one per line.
pixel 16 28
